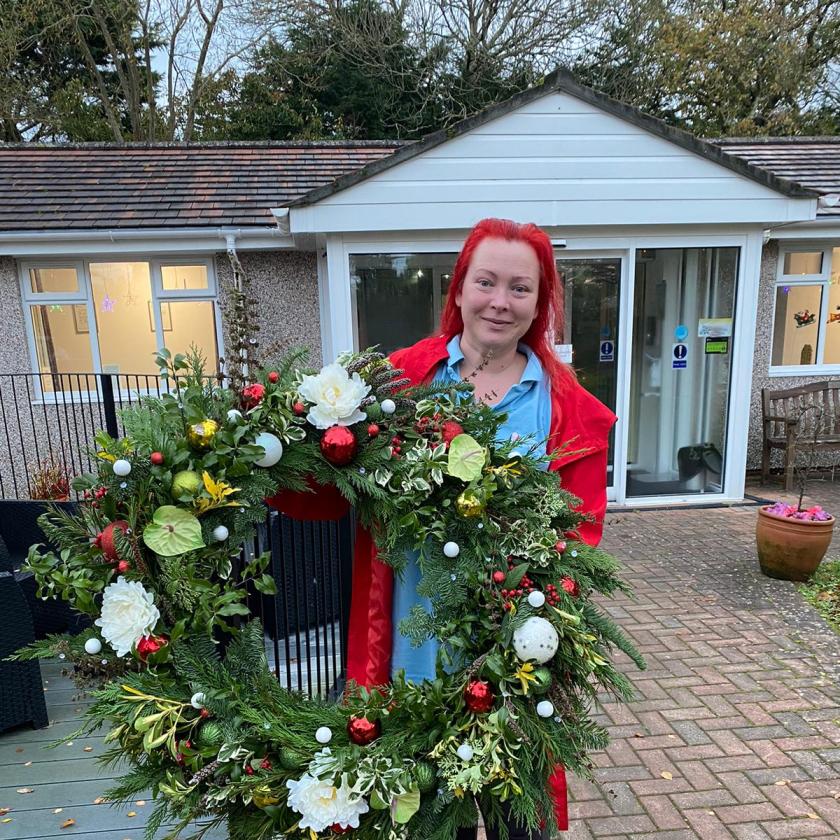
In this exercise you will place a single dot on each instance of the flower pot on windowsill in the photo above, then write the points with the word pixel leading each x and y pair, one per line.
pixel 790 548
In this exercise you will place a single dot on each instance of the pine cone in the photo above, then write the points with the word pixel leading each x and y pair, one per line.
pixel 205 772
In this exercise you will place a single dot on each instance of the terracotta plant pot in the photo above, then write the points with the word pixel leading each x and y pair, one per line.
pixel 790 549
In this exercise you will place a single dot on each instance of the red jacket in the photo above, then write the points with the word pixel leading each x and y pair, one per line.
pixel 577 418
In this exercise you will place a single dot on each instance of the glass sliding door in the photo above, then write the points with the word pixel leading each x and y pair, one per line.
pixel 590 289
pixel 683 315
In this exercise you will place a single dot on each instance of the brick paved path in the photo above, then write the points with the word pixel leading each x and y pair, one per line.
pixel 735 730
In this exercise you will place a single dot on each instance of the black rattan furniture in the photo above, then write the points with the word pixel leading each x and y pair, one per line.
pixel 21 689
pixel 19 529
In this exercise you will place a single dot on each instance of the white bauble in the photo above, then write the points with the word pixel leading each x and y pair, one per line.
pixel 451 549
pixel 465 752
pixel 273 449
pixel 536 639
pixel 198 700
pixel 93 646
pixel 234 416
pixel 545 709
pixel 323 734
pixel 388 406
pixel 121 467
pixel 536 599
pixel 220 533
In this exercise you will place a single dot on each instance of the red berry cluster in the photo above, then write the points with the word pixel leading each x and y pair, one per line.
pixel 551 596
pixel 396 446
pixel 526 585
pixel 434 429
pixel 265 764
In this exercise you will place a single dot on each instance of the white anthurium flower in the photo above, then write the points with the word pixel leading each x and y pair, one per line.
pixel 322 804
pixel 335 397
pixel 128 614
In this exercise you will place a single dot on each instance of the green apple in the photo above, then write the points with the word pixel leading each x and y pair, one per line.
pixel 186 483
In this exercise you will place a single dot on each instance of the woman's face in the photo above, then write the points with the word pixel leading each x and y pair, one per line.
pixel 498 298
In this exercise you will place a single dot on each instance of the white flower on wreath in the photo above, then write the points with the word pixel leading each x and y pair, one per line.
pixel 322 804
pixel 128 614
pixel 335 396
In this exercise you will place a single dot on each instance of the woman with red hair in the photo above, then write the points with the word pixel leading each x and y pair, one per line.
pixel 496 331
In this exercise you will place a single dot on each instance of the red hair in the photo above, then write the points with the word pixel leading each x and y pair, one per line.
pixel 549 318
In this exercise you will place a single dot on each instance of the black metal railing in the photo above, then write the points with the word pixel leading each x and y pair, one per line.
pixel 306 622
pixel 55 417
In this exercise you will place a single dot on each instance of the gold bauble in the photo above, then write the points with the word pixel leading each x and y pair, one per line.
pixel 200 435
pixel 469 505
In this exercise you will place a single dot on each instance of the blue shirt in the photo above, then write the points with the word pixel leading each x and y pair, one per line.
pixel 528 408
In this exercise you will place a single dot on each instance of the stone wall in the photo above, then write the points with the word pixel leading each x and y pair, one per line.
pixel 285 285
pixel 761 365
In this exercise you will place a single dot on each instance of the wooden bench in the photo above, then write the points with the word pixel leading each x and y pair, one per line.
pixel 792 417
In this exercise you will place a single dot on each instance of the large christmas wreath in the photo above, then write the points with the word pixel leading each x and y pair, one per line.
pixel 184 686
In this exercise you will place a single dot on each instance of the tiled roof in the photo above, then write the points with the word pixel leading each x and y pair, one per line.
pixel 813 162
pixel 158 186
pixel 107 186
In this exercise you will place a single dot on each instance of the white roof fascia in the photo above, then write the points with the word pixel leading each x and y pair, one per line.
pixel 822 226
pixel 140 241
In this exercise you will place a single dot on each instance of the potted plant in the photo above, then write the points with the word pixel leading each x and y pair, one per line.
pixel 793 540
pixel 51 481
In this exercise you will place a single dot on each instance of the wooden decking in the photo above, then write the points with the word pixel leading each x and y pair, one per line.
pixel 66 781
pixel 69 778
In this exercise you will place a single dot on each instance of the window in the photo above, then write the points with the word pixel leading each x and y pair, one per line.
pixel 806 312
pixel 397 298
pixel 111 317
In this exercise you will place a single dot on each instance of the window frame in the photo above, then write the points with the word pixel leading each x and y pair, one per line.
pixel 823 280
pixel 84 295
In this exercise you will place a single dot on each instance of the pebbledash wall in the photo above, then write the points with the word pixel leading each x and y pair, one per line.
pixel 14 353
pixel 285 285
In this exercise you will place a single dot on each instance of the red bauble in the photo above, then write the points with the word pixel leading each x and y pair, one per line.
pixel 156 458
pixel 499 577
pixel 150 644
pixel 373 430
pixel 560 546
pixel 478 695
pixel 273 377
pixel 123 566
pixel 107 542
pixel 363 731
pixel 450 430
pixel 338 445
pixel 571 586
pixel 299 408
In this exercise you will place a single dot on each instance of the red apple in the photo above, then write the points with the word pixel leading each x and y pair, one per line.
pixel 107 541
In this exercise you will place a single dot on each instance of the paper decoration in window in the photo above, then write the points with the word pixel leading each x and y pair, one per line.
pixel 804 318
pixel 108 303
